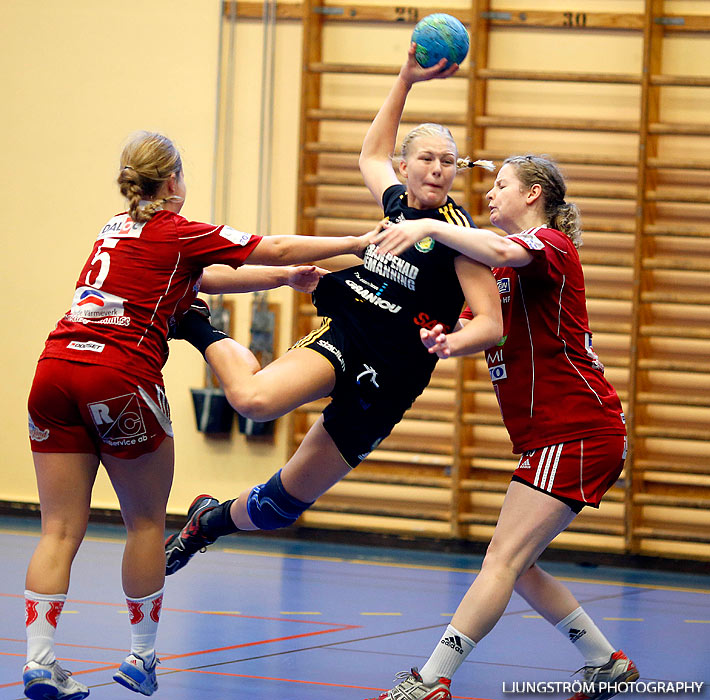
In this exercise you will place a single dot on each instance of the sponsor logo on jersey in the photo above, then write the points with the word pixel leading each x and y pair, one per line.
pixel 375 298
pixel 425 245
pixel 333 351
pixel 504 285
pixel 493 358
pixel 91 304
pixel 596 362
pixel 422 319
pixel 501 342
pixel 366 281
pixel 121 226
pixel 88 345
pixel 233 236
pixel 119 420
pixel 390 266
pixel 90 297
pixel 498 372
pixel 530 240
pixel 35 433
pixel 525 464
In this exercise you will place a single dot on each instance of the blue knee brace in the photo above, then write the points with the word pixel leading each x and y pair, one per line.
pixel 270 506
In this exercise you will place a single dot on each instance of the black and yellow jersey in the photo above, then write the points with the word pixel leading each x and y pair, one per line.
pixel 399 295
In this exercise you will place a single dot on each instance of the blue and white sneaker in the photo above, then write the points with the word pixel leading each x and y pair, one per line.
pixel 51 682
pixel 135 675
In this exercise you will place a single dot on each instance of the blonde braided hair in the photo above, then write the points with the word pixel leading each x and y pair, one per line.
pixel 148 160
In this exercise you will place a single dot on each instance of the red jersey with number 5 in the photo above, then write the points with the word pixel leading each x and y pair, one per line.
pixel 137 278
pixel 549 381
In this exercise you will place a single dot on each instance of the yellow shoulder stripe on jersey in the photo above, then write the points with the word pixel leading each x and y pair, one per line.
pixel 453 216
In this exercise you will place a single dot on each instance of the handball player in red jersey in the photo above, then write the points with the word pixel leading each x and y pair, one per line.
pixel 563 417
pixel 98 393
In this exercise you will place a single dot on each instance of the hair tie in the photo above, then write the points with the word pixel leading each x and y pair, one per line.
pixel 468 163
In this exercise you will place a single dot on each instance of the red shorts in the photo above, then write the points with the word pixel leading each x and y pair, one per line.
pixel 580 470
pixel 85 408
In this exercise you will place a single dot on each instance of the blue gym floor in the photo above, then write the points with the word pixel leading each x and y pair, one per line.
pixel 282 620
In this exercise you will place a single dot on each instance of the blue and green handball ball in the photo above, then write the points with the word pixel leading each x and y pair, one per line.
pixel 440 36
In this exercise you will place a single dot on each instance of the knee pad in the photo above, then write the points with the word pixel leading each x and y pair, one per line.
pixel 271 507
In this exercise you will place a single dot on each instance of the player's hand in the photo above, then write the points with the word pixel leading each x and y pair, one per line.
pixel 396 238
pixel 365 240
pixel 411 72
pixel 436 341
pixel 304 278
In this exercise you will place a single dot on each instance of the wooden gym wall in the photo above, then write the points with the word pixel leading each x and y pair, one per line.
pixel 619 96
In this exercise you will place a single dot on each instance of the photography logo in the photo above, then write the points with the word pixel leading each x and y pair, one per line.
pixel 119 420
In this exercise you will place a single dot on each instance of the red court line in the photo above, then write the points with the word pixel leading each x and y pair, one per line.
pixel 64 644
pixel 172 657
pixel 295 680
pixel 253 644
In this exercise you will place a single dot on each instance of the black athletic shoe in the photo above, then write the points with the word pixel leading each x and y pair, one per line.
pixel 180 547
pixel 199 306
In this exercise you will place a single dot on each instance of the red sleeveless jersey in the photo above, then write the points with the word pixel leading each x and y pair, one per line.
pixel 136 279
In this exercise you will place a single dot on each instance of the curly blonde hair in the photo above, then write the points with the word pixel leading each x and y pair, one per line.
pixel 148 160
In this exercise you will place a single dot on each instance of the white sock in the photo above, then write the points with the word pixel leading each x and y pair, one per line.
pixel 41 618
pixel 145 615
pixel 580 629
pixel 448 655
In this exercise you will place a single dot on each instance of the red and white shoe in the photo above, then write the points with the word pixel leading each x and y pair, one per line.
pixel 604 680
pixel 413 688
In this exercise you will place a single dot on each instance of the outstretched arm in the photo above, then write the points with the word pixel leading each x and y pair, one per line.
pixel 223 279
pixel 478 244
pixel 292 250
pixel 378 146
pixel 486 328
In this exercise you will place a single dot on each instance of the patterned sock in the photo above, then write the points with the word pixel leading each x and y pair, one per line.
pixel 218 521
pixel 449 654
pixel 145 615
pixel 41 617
pixel 580 629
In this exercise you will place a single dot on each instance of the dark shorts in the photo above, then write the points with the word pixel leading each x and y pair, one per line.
pixel 85 408
pixel 371 394
pixel 578 472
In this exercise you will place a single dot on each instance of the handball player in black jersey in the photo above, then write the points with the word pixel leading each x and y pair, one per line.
pixel 367 355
